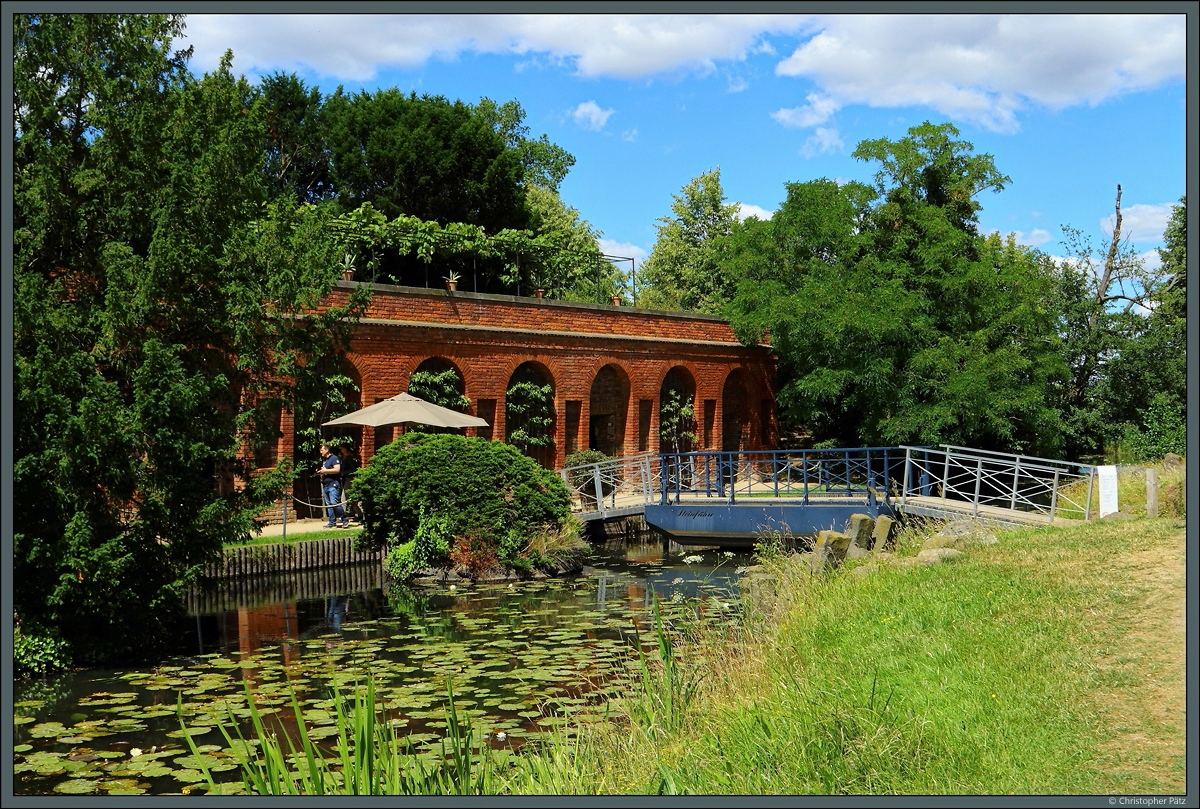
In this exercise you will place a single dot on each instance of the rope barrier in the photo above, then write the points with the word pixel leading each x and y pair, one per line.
pixel 342 503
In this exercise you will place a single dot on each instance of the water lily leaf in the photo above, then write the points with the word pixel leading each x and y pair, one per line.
pixel 76 786
pixel 48 730
pixel 198 730
pixel 189 775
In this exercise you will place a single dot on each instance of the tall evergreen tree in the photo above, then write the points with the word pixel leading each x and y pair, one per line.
pixel 157 319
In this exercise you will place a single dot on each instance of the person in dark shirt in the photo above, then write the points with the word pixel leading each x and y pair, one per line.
pixel 330 471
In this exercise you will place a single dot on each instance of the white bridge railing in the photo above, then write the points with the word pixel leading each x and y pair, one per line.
pixel 614 485
pixel 985 479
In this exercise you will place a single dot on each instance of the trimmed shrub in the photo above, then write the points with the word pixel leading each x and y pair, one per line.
pixel 447 500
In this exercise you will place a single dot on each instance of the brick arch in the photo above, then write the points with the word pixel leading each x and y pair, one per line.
pixel 435 362
pixel 673 432
pixel 735 409
pixel 608 409
pixel 536 371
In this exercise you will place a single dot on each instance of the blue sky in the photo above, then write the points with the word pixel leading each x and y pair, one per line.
pixel 1069 105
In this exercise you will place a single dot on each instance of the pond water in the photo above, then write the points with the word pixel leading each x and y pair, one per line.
pixel 524 661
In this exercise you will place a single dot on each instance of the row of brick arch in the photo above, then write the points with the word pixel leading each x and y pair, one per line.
pixel 601 404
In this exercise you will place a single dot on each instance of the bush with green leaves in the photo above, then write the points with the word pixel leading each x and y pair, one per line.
pixel 447 500
pixel 1164 430
pixel 38 653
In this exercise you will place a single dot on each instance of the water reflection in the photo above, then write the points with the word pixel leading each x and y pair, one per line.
pixel 522 659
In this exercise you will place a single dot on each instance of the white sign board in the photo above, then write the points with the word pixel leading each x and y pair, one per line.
pixel 1107 476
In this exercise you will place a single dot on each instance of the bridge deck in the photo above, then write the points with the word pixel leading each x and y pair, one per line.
pixel 953 509
pixel 630 505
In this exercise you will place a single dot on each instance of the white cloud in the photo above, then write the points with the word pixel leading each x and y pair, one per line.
pixel 1033 238
pixel 625 249
pixel 629 135
pixel 746 211
pixel 1151 260
pixel 355 46
pixel 987 68
pixel 588 115
pixel 1141 222
pixel 820 108
pixel 822 141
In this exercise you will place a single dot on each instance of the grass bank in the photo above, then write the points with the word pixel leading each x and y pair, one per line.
pixel 299 536
pixel 1051 663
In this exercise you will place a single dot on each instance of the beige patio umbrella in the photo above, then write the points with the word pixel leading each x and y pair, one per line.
pixel 407 409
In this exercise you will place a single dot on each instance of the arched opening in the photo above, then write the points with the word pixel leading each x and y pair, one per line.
pixel 677 411
pixel 529 412
pixel 735 403
pixel 609 405
pixel 437 380
pixel 333 390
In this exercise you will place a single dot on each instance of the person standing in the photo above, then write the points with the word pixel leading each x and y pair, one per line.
pixel 330 471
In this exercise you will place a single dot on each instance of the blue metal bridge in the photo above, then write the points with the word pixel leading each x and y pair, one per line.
pixel 700 497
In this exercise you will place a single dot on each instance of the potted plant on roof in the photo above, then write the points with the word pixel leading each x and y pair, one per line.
pixel 452 281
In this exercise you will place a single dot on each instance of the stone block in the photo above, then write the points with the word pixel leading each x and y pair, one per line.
pixel 881 533
pixel 829 549
pixel 855 552
pixel 859 530
pixel 933 556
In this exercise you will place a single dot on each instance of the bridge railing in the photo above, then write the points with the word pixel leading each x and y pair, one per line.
pixel 870 472
pixel 613 484
pixel 984 478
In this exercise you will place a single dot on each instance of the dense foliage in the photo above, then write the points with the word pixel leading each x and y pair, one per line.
pixel 682 271
pixel 447 500
pixel 160 304
pixel 895 321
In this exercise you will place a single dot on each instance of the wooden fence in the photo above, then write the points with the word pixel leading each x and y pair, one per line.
pixel 206 598
pixel 254 560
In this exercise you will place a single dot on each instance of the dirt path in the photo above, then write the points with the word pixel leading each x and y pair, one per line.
pixel 1147 708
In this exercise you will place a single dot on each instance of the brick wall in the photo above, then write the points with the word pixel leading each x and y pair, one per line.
pixel 487 337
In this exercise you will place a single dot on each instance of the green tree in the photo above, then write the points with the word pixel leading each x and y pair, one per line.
pixel 894 320
pixel 425 157
pixel 160 308
pixel 573 267
pixel 298 160
pixel 1124 333
pixel 545 164
pixel 683 271
pixel 1173 255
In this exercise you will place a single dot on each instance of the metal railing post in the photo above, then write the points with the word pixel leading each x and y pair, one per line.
pixel 599 488
pixel 804 466
pixel 1087 515
pixel 946 475
pixel 1054 497
pixel 907 471
pixel 978 478
pixel 1012 501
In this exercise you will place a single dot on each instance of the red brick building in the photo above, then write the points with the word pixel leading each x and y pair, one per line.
pixel 609 367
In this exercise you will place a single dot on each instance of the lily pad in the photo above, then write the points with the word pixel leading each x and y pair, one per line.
pixel 77 786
